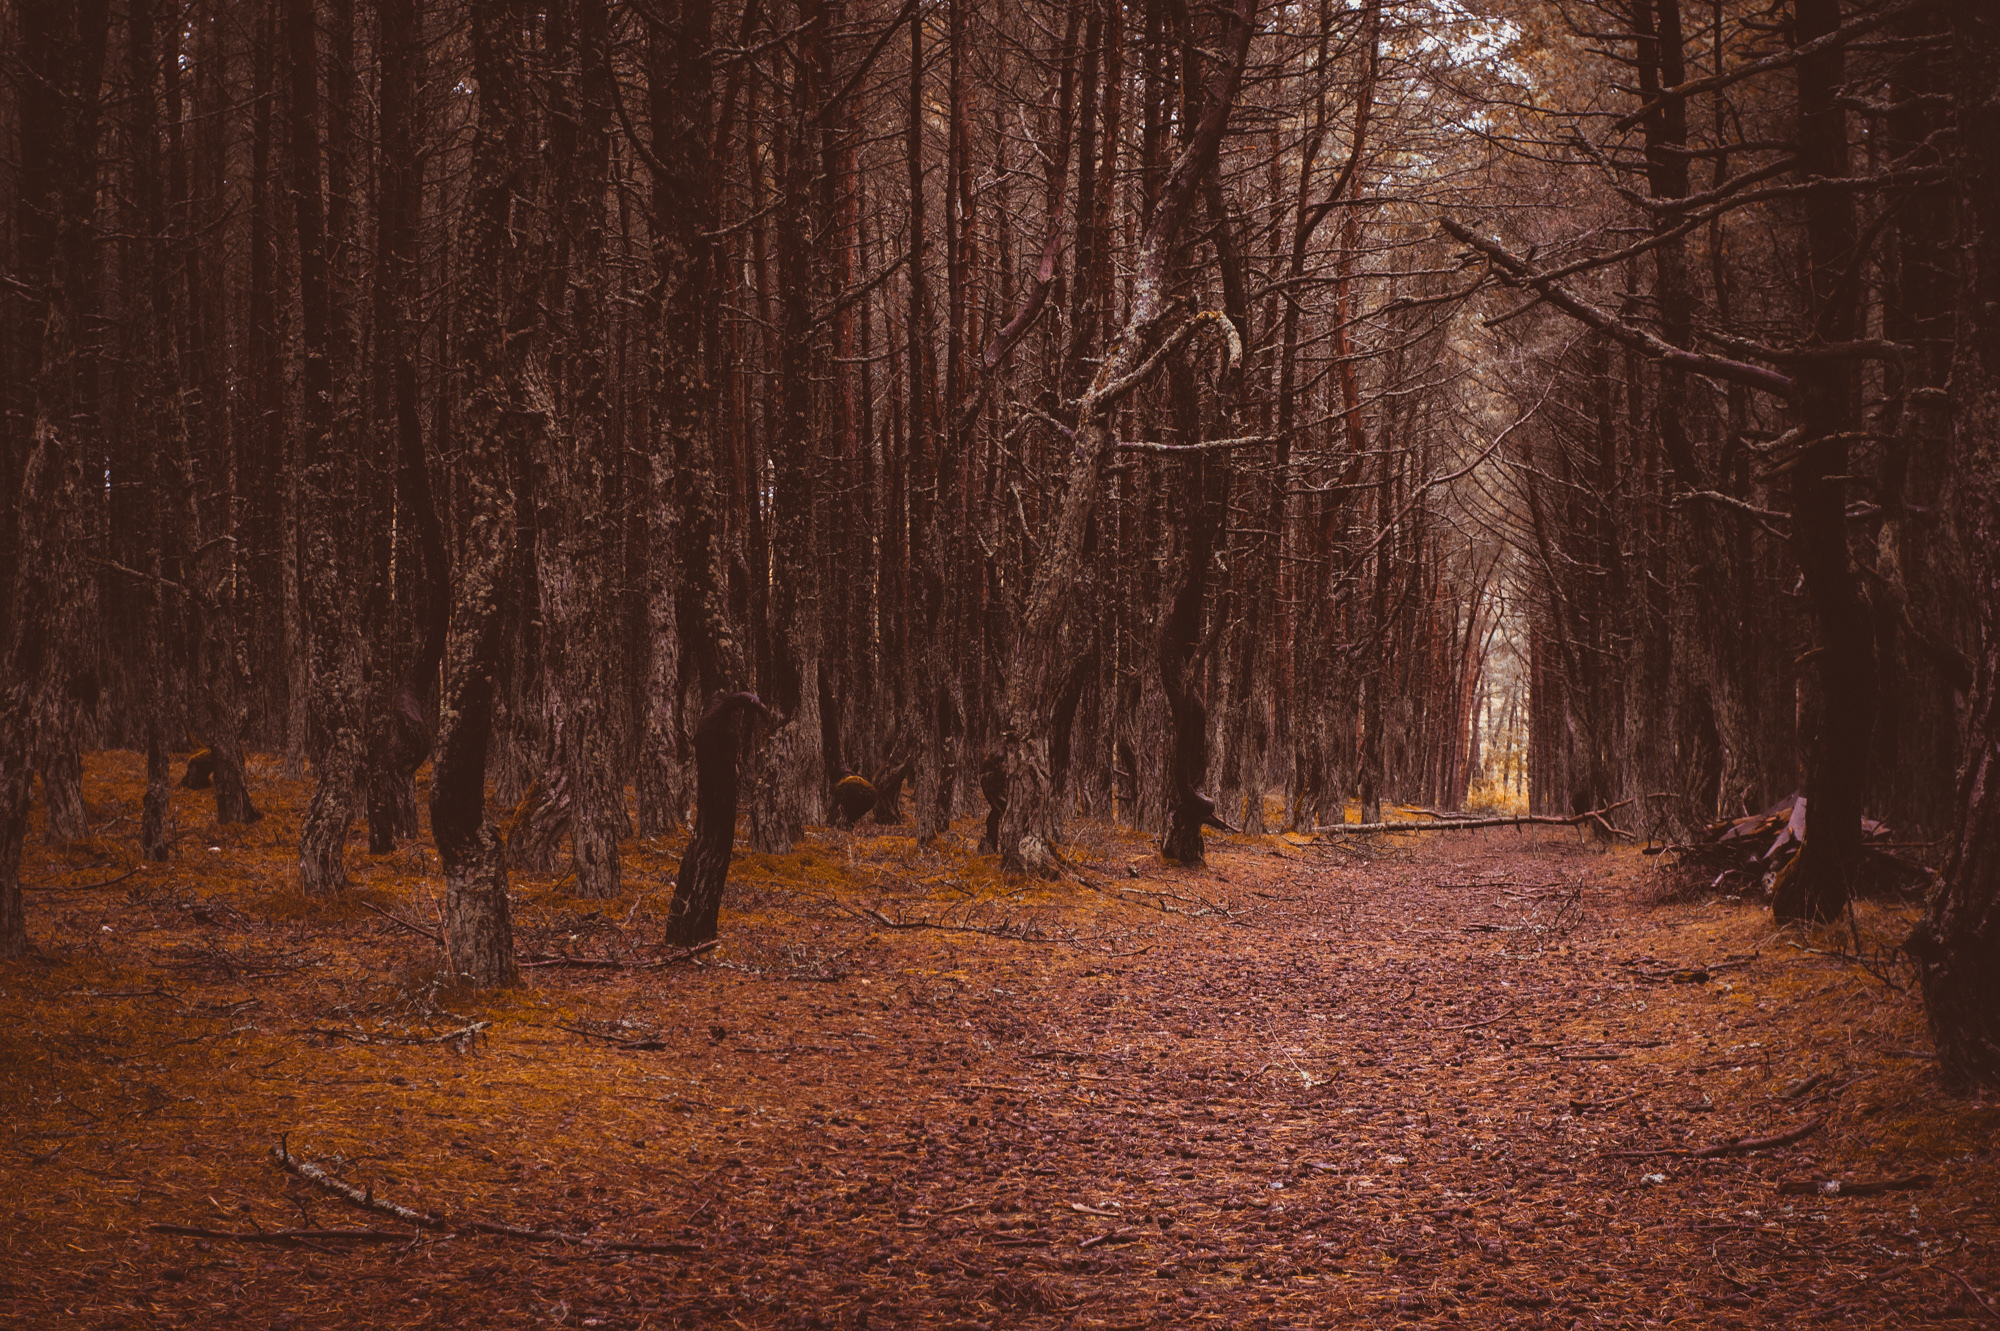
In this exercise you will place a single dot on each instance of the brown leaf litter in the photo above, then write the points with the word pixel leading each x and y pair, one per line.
pixel 1470 1082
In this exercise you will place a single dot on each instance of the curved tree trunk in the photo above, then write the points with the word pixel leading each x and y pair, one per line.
pixel 704 869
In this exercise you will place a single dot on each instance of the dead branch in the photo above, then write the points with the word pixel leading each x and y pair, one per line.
pixel 285 1237
pixel 1464 824
pixel 367 1200
pixel 609 964
pixel 1978 1298
pixel 1002 931
pixel 1839 1188
pixel 1734 1146
pixel 431 934
pixel 81 887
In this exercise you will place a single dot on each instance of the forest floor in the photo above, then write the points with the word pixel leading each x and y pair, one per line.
pixel 1471 1078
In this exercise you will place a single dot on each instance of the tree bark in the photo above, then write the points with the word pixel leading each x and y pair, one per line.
pixel 1819 884
pixel 1957 945
pixel 704 868
pixel 573 461
pixel 399 735
pixel 326 490
pixel 498 423
pixel 1032 825
pixel 45 675
pixel 1201 503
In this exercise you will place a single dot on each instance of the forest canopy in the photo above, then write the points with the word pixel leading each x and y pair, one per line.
pixel 1194 416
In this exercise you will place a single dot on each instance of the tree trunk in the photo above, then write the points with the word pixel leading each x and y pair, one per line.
pixel 1033 825
pixel 326 483
pixel 399 736
pixel 497 422
pixel 573 462
pixel 1201 502
pixel 1820 881
pixel 1957 946
pixel 698 884
pixel 62 50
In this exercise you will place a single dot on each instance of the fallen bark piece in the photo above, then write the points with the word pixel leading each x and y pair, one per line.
pixel 1844 1188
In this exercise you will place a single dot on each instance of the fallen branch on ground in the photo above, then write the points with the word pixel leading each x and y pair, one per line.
pixel 1014 935
pixel 1978 1298
pixel 81 887
pixel 609 964
pixel 362 1037
pixel 431 934
pixel 1464 824
pixel 367 1200
pixel 1838 1188
pixel 615 1041
pixel 1734 1146
pixel 287 1237
pixel 1116 1236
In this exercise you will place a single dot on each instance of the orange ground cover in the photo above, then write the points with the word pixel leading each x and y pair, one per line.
pixel 1470 1080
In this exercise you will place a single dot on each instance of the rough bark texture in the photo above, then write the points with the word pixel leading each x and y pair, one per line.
pixel 704 868
pixel 1032 826
pixel 993 785
pixel 478 928
pixel 1200 505
pixel 325 492
pixel 154 843
pixel 573 534
pixel 1821 879
pixel 43 679
pixel 399 737
pixel 1957 946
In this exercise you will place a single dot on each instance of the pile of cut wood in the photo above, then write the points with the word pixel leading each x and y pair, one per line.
pixel 1748 854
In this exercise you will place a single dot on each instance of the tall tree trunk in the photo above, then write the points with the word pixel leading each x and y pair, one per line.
pixel 574 461
pixel 326 490
pixel 45 674
pixel 399 737
pixel 1957 945
pixel 1819 881
pixel 498 423
pixel 1202 502
pixel 1032 824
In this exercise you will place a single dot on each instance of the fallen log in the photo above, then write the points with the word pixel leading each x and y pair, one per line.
pixel 1466 824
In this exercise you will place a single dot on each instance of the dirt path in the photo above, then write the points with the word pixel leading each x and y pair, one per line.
pixel 1310 1088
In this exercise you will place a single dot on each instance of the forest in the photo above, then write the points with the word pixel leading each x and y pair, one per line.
pixel 491 482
